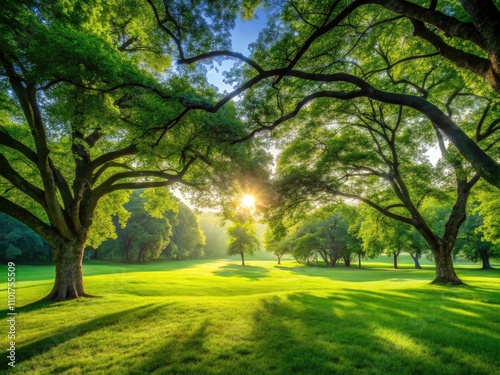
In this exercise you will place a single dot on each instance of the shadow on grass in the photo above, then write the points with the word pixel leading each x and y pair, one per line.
pixel 355 274
pixel 176 354
pixel 365 332
pixel 248 272
pixel 412 332
pixel 45 344
pixel 350 331
pixel 33 306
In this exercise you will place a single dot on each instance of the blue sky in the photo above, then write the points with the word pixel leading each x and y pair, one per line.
pixel 244 33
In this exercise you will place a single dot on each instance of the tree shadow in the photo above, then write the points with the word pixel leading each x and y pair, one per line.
pixel 249 272
pixel 176 354
pixel 45 344
pixel 307 334
pixel 360 275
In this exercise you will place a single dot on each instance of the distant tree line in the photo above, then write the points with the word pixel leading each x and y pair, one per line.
pixel 341 234
pixel 18 242
pixel 172 234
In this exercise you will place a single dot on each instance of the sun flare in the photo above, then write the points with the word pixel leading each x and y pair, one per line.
pixel 248 201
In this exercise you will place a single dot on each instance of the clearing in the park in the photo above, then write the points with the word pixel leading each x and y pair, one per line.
pixel 216 317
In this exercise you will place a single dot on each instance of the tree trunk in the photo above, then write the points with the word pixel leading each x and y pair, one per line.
pixel 445 273
pixel 69 281
pixel 347 261
pixel 359 260
pixel 395 259
pixel 415 259
pixel 485 258
pixel 279 259
pixel 242 258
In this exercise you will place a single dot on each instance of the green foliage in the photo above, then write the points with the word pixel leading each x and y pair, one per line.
pixel 471 244
pixel 111 114
pixel 20 243
pixel 143 238
pixel 278 245
pixel 489 209
pixel 110 209
pixel 242 239
pixel 188 240
pixel 158 224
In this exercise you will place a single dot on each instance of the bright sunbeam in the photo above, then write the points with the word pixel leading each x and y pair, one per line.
pixel 248 201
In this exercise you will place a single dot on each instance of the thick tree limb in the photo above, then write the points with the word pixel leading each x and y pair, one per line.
pixel 109 185
pixel 26 217
pixel 382 210
pixel 29 105
pixel 210 55
pixel 473 63
pixel 7 140
pixel 449 25
pixel 488 168
pixel 11 175
pixel 113 155
pixel 106 166
pixel 486 18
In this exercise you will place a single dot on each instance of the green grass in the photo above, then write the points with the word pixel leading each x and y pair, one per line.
pixel 217 317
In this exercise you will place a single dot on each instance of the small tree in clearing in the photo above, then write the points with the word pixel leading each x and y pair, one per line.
pixel 242 240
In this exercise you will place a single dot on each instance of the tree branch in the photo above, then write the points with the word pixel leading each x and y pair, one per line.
pixel 473 63
pixel 372 204
pixel 210 55
pixel 113 155
pixel 11 175
pixel 26 217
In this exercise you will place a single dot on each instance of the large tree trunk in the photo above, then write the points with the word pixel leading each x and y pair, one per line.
pixel 445 273
pixel 69 279
pixel 485 258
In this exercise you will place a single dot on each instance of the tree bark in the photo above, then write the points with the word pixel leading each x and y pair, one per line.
pixel 242 258
pixel 445 273
pixel 417 263
pixel 395 260
pixel 347 261
pixel 69 278
pixel 485 258
pixel 359 260
pixel 279 259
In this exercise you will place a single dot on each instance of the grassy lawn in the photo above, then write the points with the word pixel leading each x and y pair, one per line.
pixel 216 317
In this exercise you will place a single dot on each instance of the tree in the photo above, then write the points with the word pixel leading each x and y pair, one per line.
pixel 478 238
pixel 324 232
pixel 376 158
pixel 89 113
pixel 242 240
pixel 328 237
pixel 188 240
pixel 472 246
pixel 277 243
pixel 310 53
pixel 145 234
pixel 488 207
pixel 380 234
